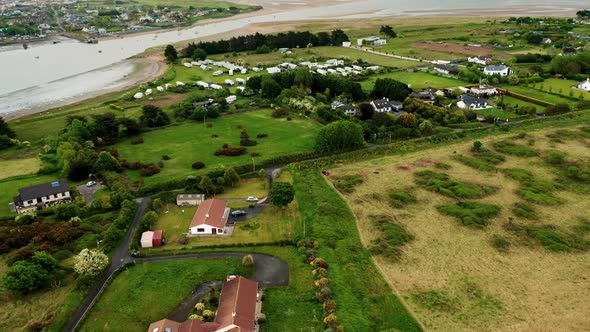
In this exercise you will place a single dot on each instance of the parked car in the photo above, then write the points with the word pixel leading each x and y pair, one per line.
pixel 90 183
pixel 238 213
pixel 252 199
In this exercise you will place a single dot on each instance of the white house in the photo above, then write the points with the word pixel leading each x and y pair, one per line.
pixel 381 105
pixel 210 218
pixel 346 44
pixel 273 70
pixel 159 88
pixel 179 83
pixel 480 60
pixel 501 70
pixel 187 64
pixel 148 92
pixel 372 40
pixel 584 85
pixel 484 90
pixel 321 71
pixel 231 99
pixel 42 195
pixel 472 103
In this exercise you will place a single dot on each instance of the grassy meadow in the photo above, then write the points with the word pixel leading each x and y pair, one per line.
pixel 501 244
pixel 10 168
pixel 190 142
pixel 417 80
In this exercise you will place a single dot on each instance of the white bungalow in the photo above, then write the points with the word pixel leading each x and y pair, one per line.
pixel 203 84
pixel 231 99
pixel 584 85
pixel 210 218
pixel 215 86
pixel 273 70
pixel 501 70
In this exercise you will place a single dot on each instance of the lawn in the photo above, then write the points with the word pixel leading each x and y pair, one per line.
pixel 364 300
pixel 9 188
pixel 190 142
pixel 16 167
pixel 455 277
pixel 272 225
pixel 538 94
pixel 247 187
pixel 354 54
pixel 149 292
pixel 563 87
pixel 417 80
pixel 496 113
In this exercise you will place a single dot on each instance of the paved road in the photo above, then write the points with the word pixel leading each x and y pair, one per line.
pixel 269 271
pixel 88 192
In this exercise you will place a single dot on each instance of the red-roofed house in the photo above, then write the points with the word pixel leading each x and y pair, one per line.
pixel 210 218
pixel 236 311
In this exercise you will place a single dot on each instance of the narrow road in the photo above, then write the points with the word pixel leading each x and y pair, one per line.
pixel 269 271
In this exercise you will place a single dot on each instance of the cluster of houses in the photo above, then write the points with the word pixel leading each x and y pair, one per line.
pixel 159 88
pixel 239 309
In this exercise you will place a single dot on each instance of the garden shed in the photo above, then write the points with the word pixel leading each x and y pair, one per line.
pixel 147 239
pixel 157 238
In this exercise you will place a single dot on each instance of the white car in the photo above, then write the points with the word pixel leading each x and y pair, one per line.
pixel 90 183
pixel 252 199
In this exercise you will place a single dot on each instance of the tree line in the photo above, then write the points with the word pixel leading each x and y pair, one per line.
pixel 291 39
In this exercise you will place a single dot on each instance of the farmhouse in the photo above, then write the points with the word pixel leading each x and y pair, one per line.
pixel 480 60
pixel 239 306
pixel 381 105
pixel 372 40
pixel 445 68
pixel 472 103
pixel 189 199
pixel 425 96
pixel 484 90
pixel 347 109
pixel 501 70
pixel 584 85
pixel 42 195
pixel 210 218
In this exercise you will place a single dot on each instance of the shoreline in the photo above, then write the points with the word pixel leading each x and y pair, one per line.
pixel 153 60
pixel 146 68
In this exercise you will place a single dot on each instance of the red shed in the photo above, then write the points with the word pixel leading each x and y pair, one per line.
pixel 157 239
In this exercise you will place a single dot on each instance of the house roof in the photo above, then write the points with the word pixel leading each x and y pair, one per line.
pixel 424 95
pixel 211 212
pixel 346 107
pixel 44 189
pixel 470 100
pixel 381 103
pixel 147 236
pixel 158 234
pixel 164 325
pixel 237 304
pixel 496 68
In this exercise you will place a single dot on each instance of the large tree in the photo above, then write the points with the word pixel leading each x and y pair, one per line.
pixel 5 129
pixel 106 163
pixel 199 54
pixel 388 31
pixel 153 116
pixel 170 53
pixel 25 276
pixel 270 89
pixel 281 194
pixel 231 176
pixel 340 135
pixel 390 88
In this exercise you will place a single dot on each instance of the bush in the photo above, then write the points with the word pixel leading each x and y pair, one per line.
pixel 474 163
pixel 165 157
pixel 254 154
pixel 501 243
pixel 137 140
pixel 279 113
pixel 347 183
pixel 261 135
pixel 442 184
pixel 391 237
pixel 515 149
pixel 524 210
pixel 401 198
pixel 248 261
pixel 471 213
pixel 229 151
pixel 149 170
pixel 198 165
pixel 555 157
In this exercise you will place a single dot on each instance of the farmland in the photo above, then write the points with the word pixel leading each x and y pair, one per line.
pixel 512 259
pixel 417 80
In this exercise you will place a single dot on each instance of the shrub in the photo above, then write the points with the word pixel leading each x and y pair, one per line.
pixel 401 198
pixel 434 300
pixel 471 213
pixel 137 140
pixel 347 183
pixel 250 225
pixel 261 135
pixel 149 170
pixel 198 165
pixel 254 154
pixel 230 151
pixel 166 157
pixel 248 261
pixel 474 163
pixel 440 165
pixel 524 210
pixel 442 184
pixel 488 156
pixel 247 142
pixel 501 243
pixel 391 237
pixel 279 113
pixel 515 149
pixel 209 125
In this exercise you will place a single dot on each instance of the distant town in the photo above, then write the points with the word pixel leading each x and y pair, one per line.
pixel 25 21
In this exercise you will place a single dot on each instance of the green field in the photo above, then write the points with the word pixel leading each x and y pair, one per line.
pixel 563 87
pixel 191 142
pixel 353 54
pixel 10 168
pixel 9 188
pixel 500 114
pixel 418 80
pixel 149 292
pixel 537 94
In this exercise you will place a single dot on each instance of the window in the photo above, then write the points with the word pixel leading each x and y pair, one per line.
pixel 58 194
pixel 200 230
pixel 220 231
pixel 30 202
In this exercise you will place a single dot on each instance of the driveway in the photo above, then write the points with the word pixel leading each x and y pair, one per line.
pixel 88 192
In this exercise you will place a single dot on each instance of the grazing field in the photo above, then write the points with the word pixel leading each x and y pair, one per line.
pixel 489 239
pixel 500 114
pixel 563 87
pixel 353 54
pixel 149 292
pixel 16 167
pixel 9 188
pixel 538 94
pixel 191 142
pixel 417 80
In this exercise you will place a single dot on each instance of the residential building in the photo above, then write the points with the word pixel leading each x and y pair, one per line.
pixel 501 70
pixel 472 103
pixel 445 68
pixel 584 85
pixel 381 105
pixel 189 199
pixel 372 40
pixel 238 309
pixel 396 106
pixel 480 60
pixel 425 96
pixel 42 195
pixel 484 90
pixel 210 218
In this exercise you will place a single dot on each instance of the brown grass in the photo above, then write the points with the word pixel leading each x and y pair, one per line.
pixel 526 289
